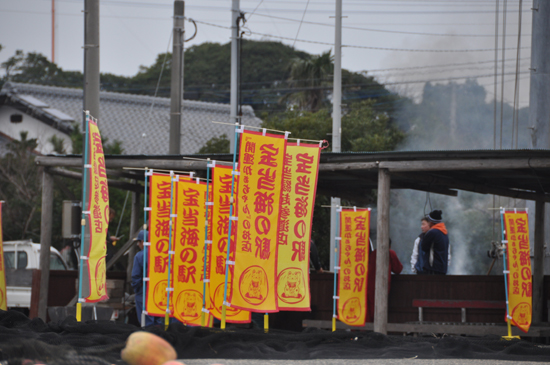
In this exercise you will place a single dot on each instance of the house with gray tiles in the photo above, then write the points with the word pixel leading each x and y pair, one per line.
pixel 141 123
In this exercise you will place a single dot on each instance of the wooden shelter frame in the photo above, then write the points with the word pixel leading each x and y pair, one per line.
pixel 519 174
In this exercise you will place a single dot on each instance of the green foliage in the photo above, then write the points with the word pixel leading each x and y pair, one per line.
pixel 36 69
pixel 58 144
pixel 20 189
pixel 216 145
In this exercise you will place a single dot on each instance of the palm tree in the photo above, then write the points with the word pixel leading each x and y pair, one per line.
pixel 309 76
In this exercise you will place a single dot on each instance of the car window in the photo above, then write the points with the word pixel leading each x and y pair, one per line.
pixel 56 263
pixel 22 260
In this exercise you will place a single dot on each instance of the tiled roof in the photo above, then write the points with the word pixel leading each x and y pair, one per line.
pixel 141 123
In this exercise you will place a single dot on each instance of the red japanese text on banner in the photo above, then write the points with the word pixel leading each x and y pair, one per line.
pixel 354 258
pixel 261 159
pixel 159 236
pixel 520 288
pixel 3 298
pixel 301 167
pixel 94 287
pixel 188 244
pixel 221 194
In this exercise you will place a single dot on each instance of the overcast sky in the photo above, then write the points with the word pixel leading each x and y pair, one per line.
pixel 416 39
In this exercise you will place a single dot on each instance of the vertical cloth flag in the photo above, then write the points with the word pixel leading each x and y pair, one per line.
pixel 519 266
pixel 159 234
pixel 188 244
pixel 301 167
pixel 3 297
pixel 354 258
pixel 221 193
pixel 96 204
pixel 261 159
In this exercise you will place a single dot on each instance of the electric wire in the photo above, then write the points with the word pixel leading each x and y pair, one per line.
pixel 300 26
pixel 380 30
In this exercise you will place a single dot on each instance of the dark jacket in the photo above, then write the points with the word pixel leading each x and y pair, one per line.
pixel 439 241
pixel 137 275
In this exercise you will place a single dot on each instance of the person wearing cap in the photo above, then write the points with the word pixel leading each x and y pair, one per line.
pixel 435 246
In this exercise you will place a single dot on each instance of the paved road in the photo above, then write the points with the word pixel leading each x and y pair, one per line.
pixel 357 362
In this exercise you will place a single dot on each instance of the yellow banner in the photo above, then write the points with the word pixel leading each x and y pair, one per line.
pixel 261 159
pixel 97 204
pixel 157 260
pixel 3 298
pixel 301 167
pixel 221 192
pixel 354 258
pixel 188 243
pixel 520 288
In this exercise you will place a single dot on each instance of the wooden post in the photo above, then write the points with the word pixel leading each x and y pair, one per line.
pixel 382 252
pixel 134 225
pixel 45 242
pixel 538 262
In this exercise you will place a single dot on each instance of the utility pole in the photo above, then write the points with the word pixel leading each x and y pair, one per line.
pixel 539 122
pixel 336 117
pixel 235 61
pixel 176 91
pixel 91 59
pixel 53 31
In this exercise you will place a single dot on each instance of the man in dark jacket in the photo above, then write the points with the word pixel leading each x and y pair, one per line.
pixel 435 246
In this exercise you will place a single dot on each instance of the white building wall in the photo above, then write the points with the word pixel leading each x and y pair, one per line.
pixel 35 128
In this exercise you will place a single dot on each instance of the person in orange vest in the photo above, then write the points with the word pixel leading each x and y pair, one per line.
pixel 395 266
pixel 435 246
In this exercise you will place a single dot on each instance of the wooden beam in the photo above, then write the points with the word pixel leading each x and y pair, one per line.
pixel 45 242
pixel 114 183
pixel 118 163
pixel 348 166
pixel 538 264
pixel 473 187
pixel 382 253
pixel 467 164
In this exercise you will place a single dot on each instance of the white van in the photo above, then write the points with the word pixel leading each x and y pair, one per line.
pixel 20 258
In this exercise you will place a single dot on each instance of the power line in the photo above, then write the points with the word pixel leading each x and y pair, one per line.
pixel 382 30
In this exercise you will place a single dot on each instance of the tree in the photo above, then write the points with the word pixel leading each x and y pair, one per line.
pixel 216 145
pixel 20 189
pixel 308 76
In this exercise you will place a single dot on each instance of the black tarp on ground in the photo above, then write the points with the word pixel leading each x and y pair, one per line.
pixel 70 342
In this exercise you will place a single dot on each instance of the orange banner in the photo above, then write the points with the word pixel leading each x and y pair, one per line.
pixel 261 159
pixel 157 261
pixel 520 288
pixel 3 298
pixel 301 167
pixel 354 258
pixel 188 244
pixel 221 192
pixel 94 287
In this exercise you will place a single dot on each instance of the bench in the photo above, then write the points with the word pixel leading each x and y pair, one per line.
pixel 462 304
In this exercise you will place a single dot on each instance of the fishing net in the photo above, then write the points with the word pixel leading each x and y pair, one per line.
pixel 25 341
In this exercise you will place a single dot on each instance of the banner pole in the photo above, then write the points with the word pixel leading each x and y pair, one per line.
pixel 505 248
pixel 146 243
pixel 204 281
pixel 266 322
pixel 169 289
pixel 336 268
pixel 231 203
pixel 83 220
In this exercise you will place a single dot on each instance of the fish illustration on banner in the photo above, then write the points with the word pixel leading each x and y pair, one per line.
pixel 261 160
pixel 188 243
pixel 96 204
pixel 221 193
pixel 300 171
pixel 3 298
pixel 354 258
pixel 159 234
pixel 520 287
